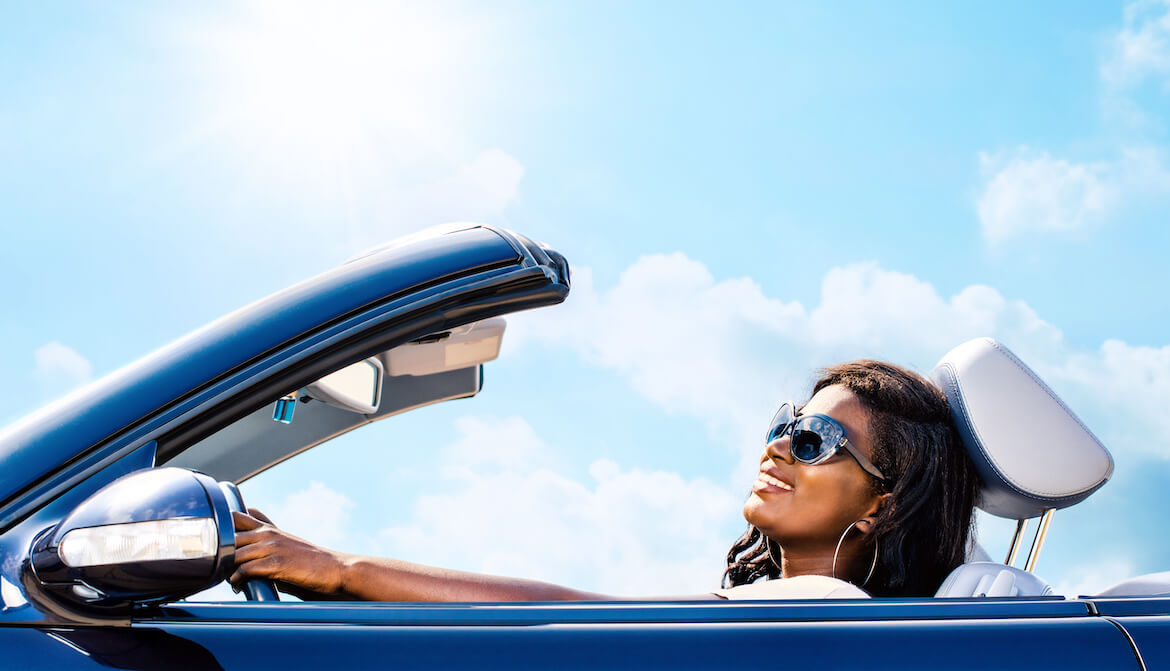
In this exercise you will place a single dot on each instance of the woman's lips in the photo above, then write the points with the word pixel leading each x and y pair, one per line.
pixel 766 482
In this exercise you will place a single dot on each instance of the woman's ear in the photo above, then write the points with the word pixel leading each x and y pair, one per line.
pixel 879 502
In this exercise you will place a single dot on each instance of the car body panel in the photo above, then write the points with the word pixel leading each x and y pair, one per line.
pixel 1149 638
pixel 624 611
pixel 1123 606
pixel 1081 643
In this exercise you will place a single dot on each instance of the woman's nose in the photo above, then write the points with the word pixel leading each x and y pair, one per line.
pixel 778 449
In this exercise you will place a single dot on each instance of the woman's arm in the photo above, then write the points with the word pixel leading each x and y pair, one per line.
pixel 263 551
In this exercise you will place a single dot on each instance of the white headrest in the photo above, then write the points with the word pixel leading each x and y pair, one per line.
pixel 1031 451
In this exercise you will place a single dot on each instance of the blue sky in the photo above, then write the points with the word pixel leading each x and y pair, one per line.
pixel 746 192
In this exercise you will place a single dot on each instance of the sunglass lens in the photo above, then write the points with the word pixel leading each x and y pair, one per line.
pixel 780 422
pixel 805 445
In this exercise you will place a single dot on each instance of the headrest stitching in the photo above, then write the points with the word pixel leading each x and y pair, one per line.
pixel 952 381
pixel 1069 413
pixel 956 390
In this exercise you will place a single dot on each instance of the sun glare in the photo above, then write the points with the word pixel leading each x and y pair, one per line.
pixel 330 78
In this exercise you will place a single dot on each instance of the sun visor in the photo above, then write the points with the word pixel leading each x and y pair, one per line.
pixel 463 347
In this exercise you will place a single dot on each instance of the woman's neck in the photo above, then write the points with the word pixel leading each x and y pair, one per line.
pixel 794 564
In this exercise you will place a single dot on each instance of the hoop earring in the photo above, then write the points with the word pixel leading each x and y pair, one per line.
pixel 771 556
pixel 837 550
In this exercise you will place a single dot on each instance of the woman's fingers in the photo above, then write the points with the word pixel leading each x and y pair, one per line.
pixel 260 516
pixel 245 522
pixel 262 534
pixel 264 559
pixel 252 552
pixel 266 567
pixel 263 551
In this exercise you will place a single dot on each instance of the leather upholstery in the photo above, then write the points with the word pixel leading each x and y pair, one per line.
pixel 980 579
pixel 1031 451
pixel 1151 584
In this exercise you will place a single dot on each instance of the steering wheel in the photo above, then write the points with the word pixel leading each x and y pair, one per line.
pixel 257 589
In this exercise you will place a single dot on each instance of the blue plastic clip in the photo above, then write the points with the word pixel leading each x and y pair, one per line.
pixel 285 406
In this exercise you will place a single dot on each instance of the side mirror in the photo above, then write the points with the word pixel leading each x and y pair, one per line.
pixel 148 537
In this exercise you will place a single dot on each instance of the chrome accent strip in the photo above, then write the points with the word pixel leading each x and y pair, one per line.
pixel 1038 541
pixel 1021 525
pixel 1132 643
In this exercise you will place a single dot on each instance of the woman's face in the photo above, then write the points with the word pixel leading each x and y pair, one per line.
pixel 807 508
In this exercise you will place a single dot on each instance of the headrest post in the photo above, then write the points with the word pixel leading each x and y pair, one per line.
pixel 1038 541
pixel 1017 541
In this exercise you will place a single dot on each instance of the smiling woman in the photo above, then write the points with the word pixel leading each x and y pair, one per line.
pixel 897 531
pixel 866 487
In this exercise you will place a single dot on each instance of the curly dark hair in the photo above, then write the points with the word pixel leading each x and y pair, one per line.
pixel 922 528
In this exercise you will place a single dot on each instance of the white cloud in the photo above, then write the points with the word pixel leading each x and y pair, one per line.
pixel 866 309
pixel 502 506
pixel 1137 56
pixel 60 368
pixel 1094 577
pixel 1031 191
pixel 672 329
pixel 316 512
pixel 1026 191
pixel 1142 172
pixel 725 352
pixel 1131 381
pixel 1141 49
pixel 713 350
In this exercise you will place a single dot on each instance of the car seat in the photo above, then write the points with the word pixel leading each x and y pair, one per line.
pixel 1149 585
pixel 1033 456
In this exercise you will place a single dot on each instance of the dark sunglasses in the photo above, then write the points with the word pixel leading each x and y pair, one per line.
pixel 815 438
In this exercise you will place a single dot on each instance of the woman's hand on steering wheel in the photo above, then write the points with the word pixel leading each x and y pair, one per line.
pixel 296 565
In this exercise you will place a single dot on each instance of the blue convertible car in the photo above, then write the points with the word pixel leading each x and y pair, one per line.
pixel 115 504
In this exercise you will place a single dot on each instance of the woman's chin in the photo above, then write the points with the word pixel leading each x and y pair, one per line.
pixel 755 510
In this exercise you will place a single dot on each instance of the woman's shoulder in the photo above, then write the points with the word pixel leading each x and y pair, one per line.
pixel 798 587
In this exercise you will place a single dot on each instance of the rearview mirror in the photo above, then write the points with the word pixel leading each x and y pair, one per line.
pixel 356 387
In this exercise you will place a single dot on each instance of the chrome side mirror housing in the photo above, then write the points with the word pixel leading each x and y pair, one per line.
pixel 151 536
